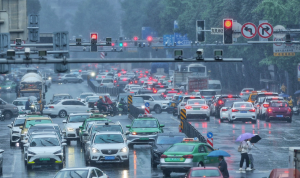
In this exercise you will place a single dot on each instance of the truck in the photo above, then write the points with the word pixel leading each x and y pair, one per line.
pixel 32 84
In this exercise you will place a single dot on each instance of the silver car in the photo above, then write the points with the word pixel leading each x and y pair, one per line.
pixel 86 172
pixel 242 111
pixel 15 131
pixel 197 108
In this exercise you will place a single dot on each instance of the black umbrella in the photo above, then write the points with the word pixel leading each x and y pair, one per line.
pixel 255 139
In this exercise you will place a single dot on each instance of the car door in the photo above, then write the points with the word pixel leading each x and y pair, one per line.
pixel 68 106
pixel 92 173
pixel 213 161
pixel 99 173
pixel 80 107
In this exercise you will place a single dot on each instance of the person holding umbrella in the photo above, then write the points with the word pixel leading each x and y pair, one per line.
pixel 250 153
pixel 244 148
pixel 223 167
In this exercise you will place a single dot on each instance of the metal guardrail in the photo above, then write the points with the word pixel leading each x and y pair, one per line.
pixel 98 89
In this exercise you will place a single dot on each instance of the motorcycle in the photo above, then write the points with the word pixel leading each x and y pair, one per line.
pixel 108 110
pixel 172 109
pixel 122 108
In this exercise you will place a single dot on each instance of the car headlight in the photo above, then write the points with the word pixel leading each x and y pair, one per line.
pixel 143 107
pixel 8 88
pixel 70 129
pixel 93 74
pixel 95 150
pixel 133 133
pixel 58 152
pixel 31 153
pixel 25 133
pixel 49 78
pixel 125 149
pixel 32 106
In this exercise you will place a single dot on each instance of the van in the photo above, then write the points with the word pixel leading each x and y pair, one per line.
pixel 215 85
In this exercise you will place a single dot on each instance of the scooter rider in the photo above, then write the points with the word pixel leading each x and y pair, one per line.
pixel 123 105
pixel 101 104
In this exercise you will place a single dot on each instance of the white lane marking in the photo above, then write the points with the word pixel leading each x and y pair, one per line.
pixel 7 175
pixel 13 167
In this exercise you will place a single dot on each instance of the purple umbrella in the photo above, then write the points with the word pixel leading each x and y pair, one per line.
pixel 244 136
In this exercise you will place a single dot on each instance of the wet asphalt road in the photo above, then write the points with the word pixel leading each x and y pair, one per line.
pixel 272 150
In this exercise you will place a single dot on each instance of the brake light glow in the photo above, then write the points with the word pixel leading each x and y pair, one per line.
pixel 51 106
pixel 289 110
pixel 188 156
pixel 247 91
pixel 165 95
pixel 252 110
pixel 124 79
pixel 202 97
pixel 115 81
pixel 155 91
pixel 266 105
pixel 269 110
pixel 224 109
pixel 241 94
pixel 135 81
pixel 131 92
pixel 188 107
pixel 169 81
pixel 146 72
pixel 133 133
pixel 221 102
pixel 204 107
pixel 274 98
pixel 142 81
pixel 103 76
pixel 163 156
pixel 234 110
pixel 192 97
pixel 229 96
pixel 161 86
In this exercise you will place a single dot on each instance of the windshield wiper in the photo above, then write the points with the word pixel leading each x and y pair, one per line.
pixel 70 174
pixel 77 174
pixel 42 143
pixel 114 141
pixel 50 142
pixel 103 140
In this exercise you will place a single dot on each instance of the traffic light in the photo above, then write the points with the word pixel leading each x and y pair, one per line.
pixel 200 24
pixel 149 39
pixel 135 40
pixel 125 44
pixel 121 44
pixel 227 31
pixel 94 38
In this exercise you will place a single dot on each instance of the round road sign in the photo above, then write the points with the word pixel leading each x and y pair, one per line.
pixel 209 135
pixel 278 39
pixel 147 104
pixel 278 29
pixel 249 30
pixel 265 30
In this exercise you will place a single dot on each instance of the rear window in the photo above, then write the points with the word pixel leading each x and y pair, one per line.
pixel 275 104
pixel 242 105
pixel 107 81
pixel 214 86
pixel 196 102
pixel 265 95
pixel 205 173
pixel 208 92
pixel 181 148
pixel 187 98
pixel 270 99
pixel 38 121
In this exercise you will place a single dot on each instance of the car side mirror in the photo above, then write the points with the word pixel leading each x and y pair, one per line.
pixel 64 121
pixel 127 133
pixel 128 126
pixel 162 125
pixel 63 144
pixel 1 151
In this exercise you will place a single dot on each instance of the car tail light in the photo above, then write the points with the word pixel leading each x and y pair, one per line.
pixel 258 105
pixel 97 76
pixel 269 110
pixel 133 133
pixel 204 107
pixel 188 156
pixel 101 84
pixel 165 95
pixel 142 81
pixel 130 83
pixel 103 76
pixel 229 96
pixel 161 86
pixel 51 106
pixel 117 85
pixel 115 81
pixel 79 99
pixel 266 105
pixel 289 110
pixel 241 93
pixel 224 109
pixel 202 97
pixel 215 104
pixel 155 91
pixel 131 92
pixel 188 107
pixel 135 81
pixel 213 97
pixel 252 110
pixel 221 102
pixel 234 110
pixel 163 156
pixel 247 91
pixel 169 81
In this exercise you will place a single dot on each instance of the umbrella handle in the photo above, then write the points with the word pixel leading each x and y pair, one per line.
pixel 256 147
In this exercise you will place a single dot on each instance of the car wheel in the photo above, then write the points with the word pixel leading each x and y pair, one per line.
pixel 253 122
pixel 157 109
pixel 126 164
pixel 166 173
pixel 65 81
pixel 7 115
pixel 289 120
pixel 62 114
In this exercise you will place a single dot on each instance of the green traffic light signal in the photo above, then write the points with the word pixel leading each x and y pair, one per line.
pixel 121 44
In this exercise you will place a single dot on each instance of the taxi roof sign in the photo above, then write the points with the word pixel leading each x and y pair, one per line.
pixel 190 139
pixel 145 115
pixel 96 115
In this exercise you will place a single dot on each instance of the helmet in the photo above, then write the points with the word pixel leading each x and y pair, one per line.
pixel 100 97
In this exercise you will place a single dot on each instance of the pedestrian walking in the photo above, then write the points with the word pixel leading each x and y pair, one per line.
pixel 244 156
pixel 223 167
pixel 251 159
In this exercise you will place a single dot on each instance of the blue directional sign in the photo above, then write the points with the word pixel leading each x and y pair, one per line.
pixel 181 39
pixel 147 104
pixel 210 135
pixel 169 39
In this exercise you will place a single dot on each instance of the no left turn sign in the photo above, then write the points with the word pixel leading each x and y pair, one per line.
pixel 249 30
pixel 265 30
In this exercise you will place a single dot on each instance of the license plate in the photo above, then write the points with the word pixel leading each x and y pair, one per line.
pixel 109 157
pixel 196 108
pixel 144 138
pixel 279 115
pixel 243 112
pixel 46 107
pixel 175 159
pixel 44 159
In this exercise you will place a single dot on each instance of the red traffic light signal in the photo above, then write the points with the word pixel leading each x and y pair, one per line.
pixel 135 38
pixel 227 23
pixel 149 38
pixel 94 36
pixel 125 44
pixel 112 44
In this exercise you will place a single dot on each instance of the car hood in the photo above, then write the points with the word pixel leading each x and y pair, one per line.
pixel 73 125
pixel 162 148
pixel 111 146
pixel 16 129
pixel 145 130
pixel 48 149
pixel 5 86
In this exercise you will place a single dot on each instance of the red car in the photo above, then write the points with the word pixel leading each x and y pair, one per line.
pixel 211 172
pixel 285 173
pixel 279 110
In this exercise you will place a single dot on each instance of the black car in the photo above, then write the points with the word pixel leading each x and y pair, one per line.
pixel 144 91
pixel 220 103
pixel 162 143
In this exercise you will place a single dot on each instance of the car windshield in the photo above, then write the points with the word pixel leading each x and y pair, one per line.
pixel 83 96
pixel 278 104
pixel 144 124
pixel 61 97
pixel 242 105
pixel 196 102
pixel 169 140
pixel 158 97
pixel 107 128
pixel 19 122
pixel 37 121
pixel 108 138
pixel 205 173
pixel 43 142
pixel 135 88
pixel 72 174
pixel 214 86
pixel 181 148
pixel 19 103
pixel 208 93
pixel 92 99
pixel 137 100
pixel 78 118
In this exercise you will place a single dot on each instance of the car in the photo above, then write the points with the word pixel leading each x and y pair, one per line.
pixel 44 149
pixel 128 86
pixel 8 110
pixel 197 108
pixel 109 83
pixel 72 124
pixel 213 172
pixel 208 95
pixel 100 77
pixel 107 147
pixel 55 78
pixel 20 103
pixel 279 110
pixel 134 90
pixel 183 100
pixel 83 96
pixel 122 82
pixel 226 107
pixel 60 96
pixel 220 102
pixel 257 105
pixel 8 86
pixel 265 104
pixel 144 129
pixel 284 173
pixel 162 143
pixel 265 94
pixel 85 172
pixel 245 93
pixel 71 78
pixel 15 131
pixel 64 108
pixel 1 161
pixel 91 102
pixel 213 103
pixel 156 101
pixel 181 157
pixel 242 111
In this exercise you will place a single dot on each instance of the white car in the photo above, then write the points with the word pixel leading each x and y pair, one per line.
pixel 15 131
pixel 72 78
pixel 1 162
pixel 134 89
pixel 128 86
pixel 242 111
pixel 44 149
pixel 107 147
pixel 72 125
pixel 83 96
pixel 109 83
pixel 65 107
pixel 183 101
pixel 198 108
pixel 169 96
pixel 157 102
pixel 20 103
pixel 85 172
pixel 226 107
pixel 245 93
pixel 265 104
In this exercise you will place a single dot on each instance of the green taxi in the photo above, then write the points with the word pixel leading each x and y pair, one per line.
pixel 144 129
pixel 8 86
pixel 92 118
pixel 189 153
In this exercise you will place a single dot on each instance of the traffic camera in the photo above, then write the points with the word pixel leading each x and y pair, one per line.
pixel 178 53
pixel 218 54
pixel 27 52
pixel 10 53
pixel 18 41
pixel 78 41
pixel 42 53
pixel 199 53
